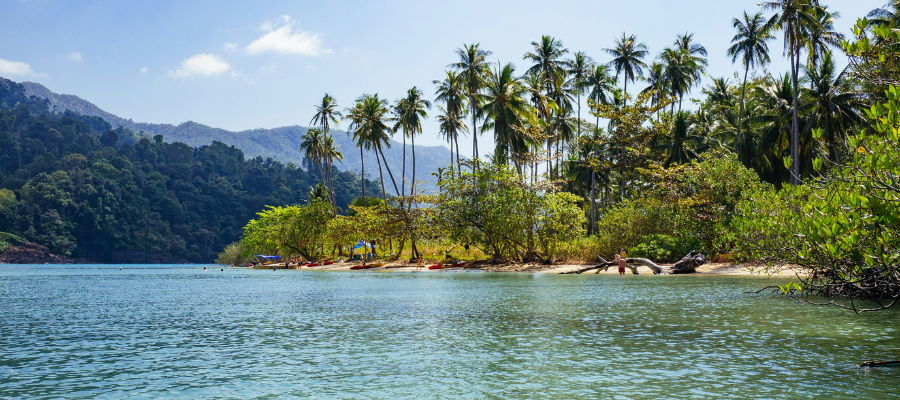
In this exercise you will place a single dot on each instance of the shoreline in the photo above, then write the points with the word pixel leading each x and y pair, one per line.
pixel 735 269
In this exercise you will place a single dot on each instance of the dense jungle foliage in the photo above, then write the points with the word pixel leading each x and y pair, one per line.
pixel 87 191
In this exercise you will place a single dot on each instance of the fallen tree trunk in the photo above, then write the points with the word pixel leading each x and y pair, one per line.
pixel 604 265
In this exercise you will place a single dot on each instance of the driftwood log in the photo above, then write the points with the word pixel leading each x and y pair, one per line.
pixel 604 265
pixel 879 363
pixel 689 263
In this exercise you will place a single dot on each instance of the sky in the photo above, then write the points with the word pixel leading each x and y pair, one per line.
pixel 265 64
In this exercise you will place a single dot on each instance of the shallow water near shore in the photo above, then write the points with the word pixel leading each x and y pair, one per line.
pixel 164 331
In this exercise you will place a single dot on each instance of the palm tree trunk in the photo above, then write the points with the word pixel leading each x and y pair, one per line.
pixel 593 202
pixel 403 172
pixel 622 149
pixel 795 124
pixel 381 177
pixel 388 168
pixel 458 167
pixel 739 140
pixel 331 189
pixel 474 129
pixel 363 180
pixel 412 184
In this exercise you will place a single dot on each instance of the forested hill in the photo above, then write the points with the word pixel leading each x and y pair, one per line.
pixel 70 183
pixel 282 144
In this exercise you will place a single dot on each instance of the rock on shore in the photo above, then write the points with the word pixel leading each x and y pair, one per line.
pixel 32 253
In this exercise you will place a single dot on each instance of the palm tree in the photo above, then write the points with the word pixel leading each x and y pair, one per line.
pixel 329 153
pixel 773 115
pixel 628 55
pixel 311 145
pixel 600 85
pixel 831 104
pixel 371 116
pixel 452 92
pixel 563 94
pixel 685 65
pixel 679 152
pixel 820 36
pixel 451 125
pixel 506 111
pixel 749 44
pixel 657 83
pixel 326 113
pixel 580 68
pixel 412 112
pixel 889 14
pixel 355 116
pixel 547 57
pixel 473 67
pixel 793 17
pixel 544 106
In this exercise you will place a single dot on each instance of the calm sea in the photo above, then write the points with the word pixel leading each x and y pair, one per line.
pixel 162 331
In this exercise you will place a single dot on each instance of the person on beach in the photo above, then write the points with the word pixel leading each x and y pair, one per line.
pixel 419 263
pixel 620 259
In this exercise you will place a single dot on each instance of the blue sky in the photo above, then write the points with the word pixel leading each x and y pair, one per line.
pixel 263 64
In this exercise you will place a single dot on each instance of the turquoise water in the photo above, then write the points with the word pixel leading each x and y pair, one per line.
pixel 154 331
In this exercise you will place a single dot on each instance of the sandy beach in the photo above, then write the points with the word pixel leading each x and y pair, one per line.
pixel 706 269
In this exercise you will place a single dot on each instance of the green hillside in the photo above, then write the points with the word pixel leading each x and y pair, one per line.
pixel 281 144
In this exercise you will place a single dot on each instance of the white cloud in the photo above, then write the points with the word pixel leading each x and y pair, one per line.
pixel 230 46
pixel 144 70
pixel 286 41
pixel 76 56
pixel 15 68
pixel 201 64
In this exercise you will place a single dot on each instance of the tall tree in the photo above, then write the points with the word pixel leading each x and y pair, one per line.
pixel 450 126
pixel 326 114
pixel 685 65
pixel 473 67
pixel 548 65
pixel 656 82
pixel 793 18
pixel 452 91
pixel 329 155
pixel 601 86
pixel 412 112
pixel 749 44
pixel 628 56
pixel 372 114
pixel 831 103
pixel 355 116
pixel 506 111
pixel 580 67
pixel 311 145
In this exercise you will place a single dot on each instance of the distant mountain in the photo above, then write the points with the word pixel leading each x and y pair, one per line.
pixel 282 144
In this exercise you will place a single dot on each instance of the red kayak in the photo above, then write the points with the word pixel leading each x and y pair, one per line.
pixel 313 265
pixel 459 264
pixel 435 266
pixel 328 263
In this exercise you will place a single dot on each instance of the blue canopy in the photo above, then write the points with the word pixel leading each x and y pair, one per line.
pixel 269 257
pixel 362 243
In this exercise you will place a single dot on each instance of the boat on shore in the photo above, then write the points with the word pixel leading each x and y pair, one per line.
pixel 367 266
pixel 453 265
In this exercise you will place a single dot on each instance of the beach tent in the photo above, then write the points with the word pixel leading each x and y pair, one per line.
pixel 362 243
